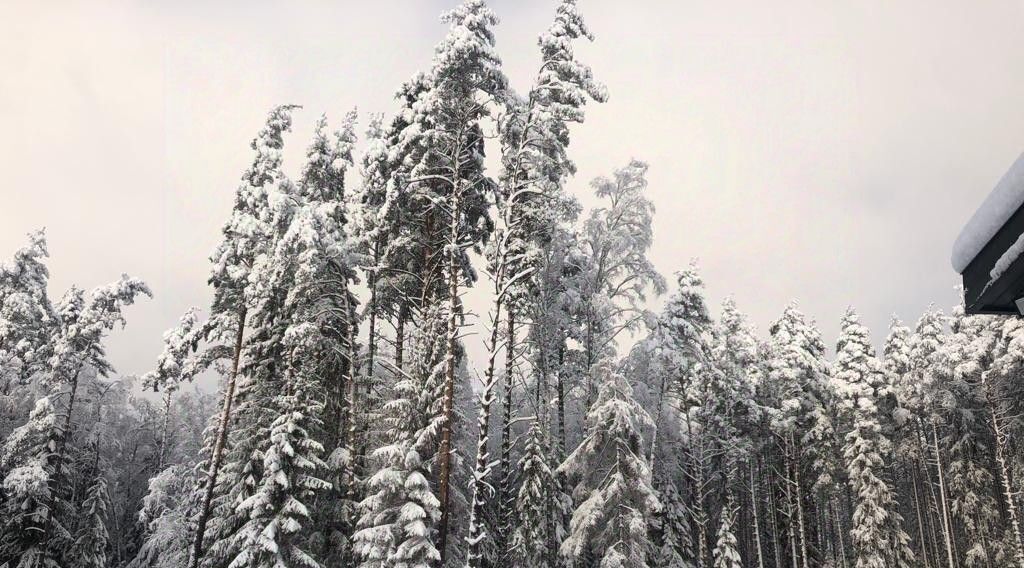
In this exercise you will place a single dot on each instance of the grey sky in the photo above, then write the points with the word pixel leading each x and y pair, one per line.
pixel 825 151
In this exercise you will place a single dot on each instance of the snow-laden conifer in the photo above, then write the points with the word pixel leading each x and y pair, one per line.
pixel 247 237
pixel 878 536
pixel 400 511
pixel 726 553
pixel 91 539
pixel 613 493
pixel 32 536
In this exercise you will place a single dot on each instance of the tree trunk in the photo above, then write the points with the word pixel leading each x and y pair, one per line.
pixel 352 403
pixel 800 506
pixel 561 399
pixel 757 523
pixel 946 526
pixel 445 451
pixel 483 458
pixel 161 456
pixel 773 501
pixel 403 315
pixel 217 455
pixel 920 517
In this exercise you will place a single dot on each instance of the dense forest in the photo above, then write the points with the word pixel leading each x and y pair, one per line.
pixel 350 427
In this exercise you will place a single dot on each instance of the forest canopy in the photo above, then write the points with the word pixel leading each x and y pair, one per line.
pixel 350 426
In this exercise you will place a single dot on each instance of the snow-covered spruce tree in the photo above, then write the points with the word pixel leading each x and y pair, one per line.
pixel 400 510
pixel 878 536
pixel 739 414
pixel 926 397
pixel 91 539
pixel 369 220
pixel 900 423
pixel 316 260
pixel 535 538
pixel 33 536
pixel 681 340
pixel 246 235
pixel 532 206
pixel 797 369
pixel 726 553
pixel 613 489
pixel 26 321
pixel 278 509
pixel 672 528
pixel 303 336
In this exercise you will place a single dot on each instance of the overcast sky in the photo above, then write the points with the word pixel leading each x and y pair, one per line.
pixel 823 151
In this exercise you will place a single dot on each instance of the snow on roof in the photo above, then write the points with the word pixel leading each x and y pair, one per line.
pixel 997 208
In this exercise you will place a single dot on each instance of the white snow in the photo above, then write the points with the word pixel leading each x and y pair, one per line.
pixel 1006 198
pixel 1007 259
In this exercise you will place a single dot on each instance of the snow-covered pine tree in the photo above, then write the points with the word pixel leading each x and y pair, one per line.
pixel 532 206
pixel 613 489
pixel 446 181
pixel 246 236
pixel 33 535
pixel 878 537
pixel 26 319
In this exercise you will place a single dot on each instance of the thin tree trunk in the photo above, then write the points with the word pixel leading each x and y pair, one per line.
pixel 800 508
pixel 445 451
pixel 757 523
pixel 773 501
pixel 946 526
pixel 161 456
pixel 403 314
pixel 791 509
pixel 920 517
pixel 352 332
pixel 839 528
pixel 561 398
pixel 657 421
pixel 505 463
pixel 483 458
pixel 217 455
